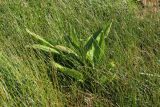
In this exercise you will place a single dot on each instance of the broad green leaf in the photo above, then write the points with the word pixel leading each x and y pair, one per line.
pixel 100 44
pixel 90 46
pixel 90 55
pixel 96 52
pixel 65 49
pixel 39 38
pixel 97 45
pixel 70 54
pixel 70 72
pixel 92 38
pixel 43 48
pixel 101 41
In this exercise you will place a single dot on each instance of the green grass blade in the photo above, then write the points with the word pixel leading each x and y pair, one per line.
pixel 39 38
pixel 1 55
pixel 74 45
pixel 73 36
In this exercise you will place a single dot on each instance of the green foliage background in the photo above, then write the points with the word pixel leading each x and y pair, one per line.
pixel 130 71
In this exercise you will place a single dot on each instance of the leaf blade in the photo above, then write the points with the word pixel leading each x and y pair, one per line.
pixel 91 39
pixel 70 72
pixel 43 48
pixel 65 49
pixel 39 38
pixel 100 44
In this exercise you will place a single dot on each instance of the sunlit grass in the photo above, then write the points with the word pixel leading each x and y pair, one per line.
pixel 128 75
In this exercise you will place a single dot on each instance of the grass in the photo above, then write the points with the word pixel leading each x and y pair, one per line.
pixel 128 75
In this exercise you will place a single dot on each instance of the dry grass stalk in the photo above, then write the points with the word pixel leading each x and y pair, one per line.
pixel 150 5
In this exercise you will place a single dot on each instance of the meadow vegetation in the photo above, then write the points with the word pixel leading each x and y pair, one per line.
pixel 78 53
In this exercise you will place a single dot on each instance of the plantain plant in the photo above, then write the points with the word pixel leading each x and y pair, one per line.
pixel 88 53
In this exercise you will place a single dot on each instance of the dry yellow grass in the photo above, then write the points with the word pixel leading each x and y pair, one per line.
pixel 150 5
